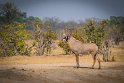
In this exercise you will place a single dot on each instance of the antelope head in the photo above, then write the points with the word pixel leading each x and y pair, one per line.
pixel 67 35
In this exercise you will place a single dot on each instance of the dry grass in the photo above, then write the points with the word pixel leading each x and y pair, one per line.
pixel 118 52
pixel 56 57
pixel 43 59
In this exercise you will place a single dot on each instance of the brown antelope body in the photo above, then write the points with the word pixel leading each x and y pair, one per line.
pixel 78 47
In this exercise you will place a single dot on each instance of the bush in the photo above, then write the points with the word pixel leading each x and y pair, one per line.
pixel 65 46
pixel 12 39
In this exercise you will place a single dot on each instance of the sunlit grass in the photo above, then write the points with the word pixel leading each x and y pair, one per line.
pixel 58 57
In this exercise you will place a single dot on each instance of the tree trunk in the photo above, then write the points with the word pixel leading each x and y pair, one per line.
pixel 40 46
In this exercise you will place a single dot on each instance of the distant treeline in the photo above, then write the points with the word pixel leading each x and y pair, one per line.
pixel 16 27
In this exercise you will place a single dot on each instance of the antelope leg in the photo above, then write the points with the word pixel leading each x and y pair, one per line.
pixel 99 62
pixel 77 60
pixel 94 60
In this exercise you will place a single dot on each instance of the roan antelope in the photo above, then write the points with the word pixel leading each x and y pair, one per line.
pixel 77 47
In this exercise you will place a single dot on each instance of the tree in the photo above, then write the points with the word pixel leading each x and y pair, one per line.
pixel 10 13
pixel 96 31
pixel 38 35
pixel 80 34
pixel 13 33
pixel 12 39
pixel 117 28
pixel 43 36
pixel 65 47
pixel 48 36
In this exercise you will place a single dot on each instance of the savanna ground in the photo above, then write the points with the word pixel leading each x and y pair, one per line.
pixel 59 68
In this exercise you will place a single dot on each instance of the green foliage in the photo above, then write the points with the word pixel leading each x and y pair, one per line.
pixel 65 46
pixel 28 49
pixel 117 27
pixel 44 38
pixel 13 33
pixel 38 35
pixel 116 20
pixel 10 13
pixel 12 39
pixel 80 34
pixel 49 35
pixel 48 38
pixel 96 31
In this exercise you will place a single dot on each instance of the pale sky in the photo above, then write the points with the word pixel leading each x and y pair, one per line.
pixel 71 9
